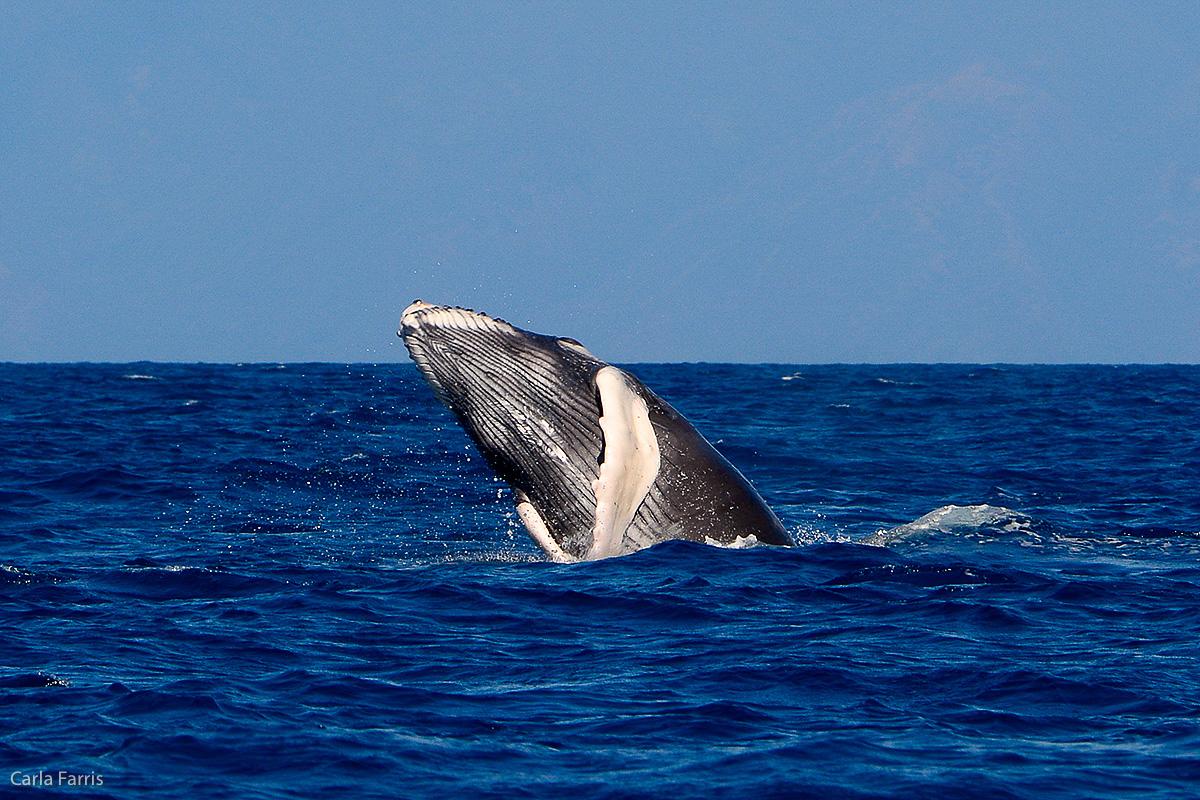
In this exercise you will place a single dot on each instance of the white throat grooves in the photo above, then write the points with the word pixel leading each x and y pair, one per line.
pixel 631 461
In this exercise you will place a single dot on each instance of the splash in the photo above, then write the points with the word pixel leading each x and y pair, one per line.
pixel 969 521
pixel 740 543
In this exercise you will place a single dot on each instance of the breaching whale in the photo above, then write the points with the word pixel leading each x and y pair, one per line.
pixel 599 465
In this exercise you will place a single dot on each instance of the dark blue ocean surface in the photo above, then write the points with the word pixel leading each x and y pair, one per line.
pixel 301 581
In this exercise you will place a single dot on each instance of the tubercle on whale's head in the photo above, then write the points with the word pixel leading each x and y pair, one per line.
pixel 408 316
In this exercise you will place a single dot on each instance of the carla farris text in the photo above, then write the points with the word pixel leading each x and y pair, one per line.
pixel 60 778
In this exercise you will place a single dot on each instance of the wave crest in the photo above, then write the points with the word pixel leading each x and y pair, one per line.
pixel 982 520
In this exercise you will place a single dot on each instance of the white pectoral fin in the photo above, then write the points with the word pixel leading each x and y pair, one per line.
pixel 631 461
pixel 536 526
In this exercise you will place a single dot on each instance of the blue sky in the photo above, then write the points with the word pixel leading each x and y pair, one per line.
pixel 792 182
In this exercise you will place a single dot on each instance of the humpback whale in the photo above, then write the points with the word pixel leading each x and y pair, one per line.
pixel 599 465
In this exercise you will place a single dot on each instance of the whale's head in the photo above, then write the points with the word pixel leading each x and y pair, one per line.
pixel 475 362
pixel 528 401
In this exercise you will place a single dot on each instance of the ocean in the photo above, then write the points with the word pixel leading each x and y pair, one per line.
pixel 301 581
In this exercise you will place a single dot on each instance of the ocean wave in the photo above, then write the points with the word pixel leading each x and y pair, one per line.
pixel 308 583
pixel 110 482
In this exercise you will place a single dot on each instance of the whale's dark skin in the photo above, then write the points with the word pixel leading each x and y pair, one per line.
pixel 598 463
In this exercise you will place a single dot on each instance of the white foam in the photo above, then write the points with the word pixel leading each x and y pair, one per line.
pixel 954 520
pixel 740 543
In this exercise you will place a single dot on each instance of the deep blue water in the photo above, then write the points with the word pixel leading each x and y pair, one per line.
pixel 301 581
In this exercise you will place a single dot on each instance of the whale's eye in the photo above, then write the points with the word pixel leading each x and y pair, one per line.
pixel 571 344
